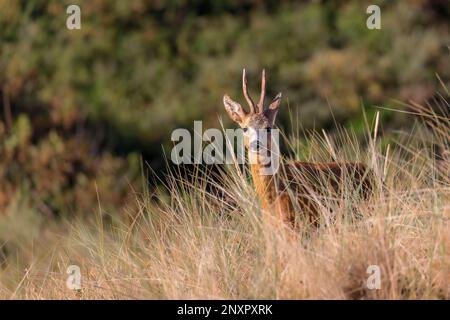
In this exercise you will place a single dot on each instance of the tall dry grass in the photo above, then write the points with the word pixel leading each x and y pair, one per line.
pixel 204 237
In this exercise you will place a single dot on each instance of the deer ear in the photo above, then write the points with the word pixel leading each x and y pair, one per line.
pixel 271 111
pixel 234 109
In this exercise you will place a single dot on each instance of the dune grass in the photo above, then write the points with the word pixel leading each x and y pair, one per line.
pixel 202 236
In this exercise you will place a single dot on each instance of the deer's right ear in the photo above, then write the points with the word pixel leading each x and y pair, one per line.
pixel 234 109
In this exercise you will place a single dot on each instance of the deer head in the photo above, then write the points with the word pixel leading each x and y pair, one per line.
pixel 258 122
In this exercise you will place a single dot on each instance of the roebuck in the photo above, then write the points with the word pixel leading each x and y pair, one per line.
pixel 296 186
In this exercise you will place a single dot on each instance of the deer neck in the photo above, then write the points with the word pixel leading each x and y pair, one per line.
pixel 264 183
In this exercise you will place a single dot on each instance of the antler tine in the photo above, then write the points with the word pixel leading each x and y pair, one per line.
pixel 246 95
pixel 263 91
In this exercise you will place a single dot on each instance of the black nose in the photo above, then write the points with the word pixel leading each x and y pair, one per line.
pixel 255 145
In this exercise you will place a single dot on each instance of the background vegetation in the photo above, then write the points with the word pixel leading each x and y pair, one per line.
pixel 80 106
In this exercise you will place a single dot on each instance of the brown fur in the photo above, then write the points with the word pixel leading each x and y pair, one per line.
pixel 298 186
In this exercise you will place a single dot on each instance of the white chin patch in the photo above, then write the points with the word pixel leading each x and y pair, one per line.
pixel 252 157
pixel 261 158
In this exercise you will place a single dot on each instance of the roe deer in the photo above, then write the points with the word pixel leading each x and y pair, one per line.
pixel 298 191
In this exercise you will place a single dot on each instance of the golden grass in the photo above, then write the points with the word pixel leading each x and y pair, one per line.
pixel 203 242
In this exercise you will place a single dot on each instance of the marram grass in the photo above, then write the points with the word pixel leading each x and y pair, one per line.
pixel 202 237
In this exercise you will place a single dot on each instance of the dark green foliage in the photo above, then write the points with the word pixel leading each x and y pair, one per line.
pixel 76 101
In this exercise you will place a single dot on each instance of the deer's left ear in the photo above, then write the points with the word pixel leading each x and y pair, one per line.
pixel 234 109
pixel 271 111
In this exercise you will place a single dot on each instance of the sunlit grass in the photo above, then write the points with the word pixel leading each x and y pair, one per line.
pixel 202 236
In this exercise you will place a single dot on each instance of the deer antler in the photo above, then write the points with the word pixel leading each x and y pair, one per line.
pixel 263 92
pixel 250 102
